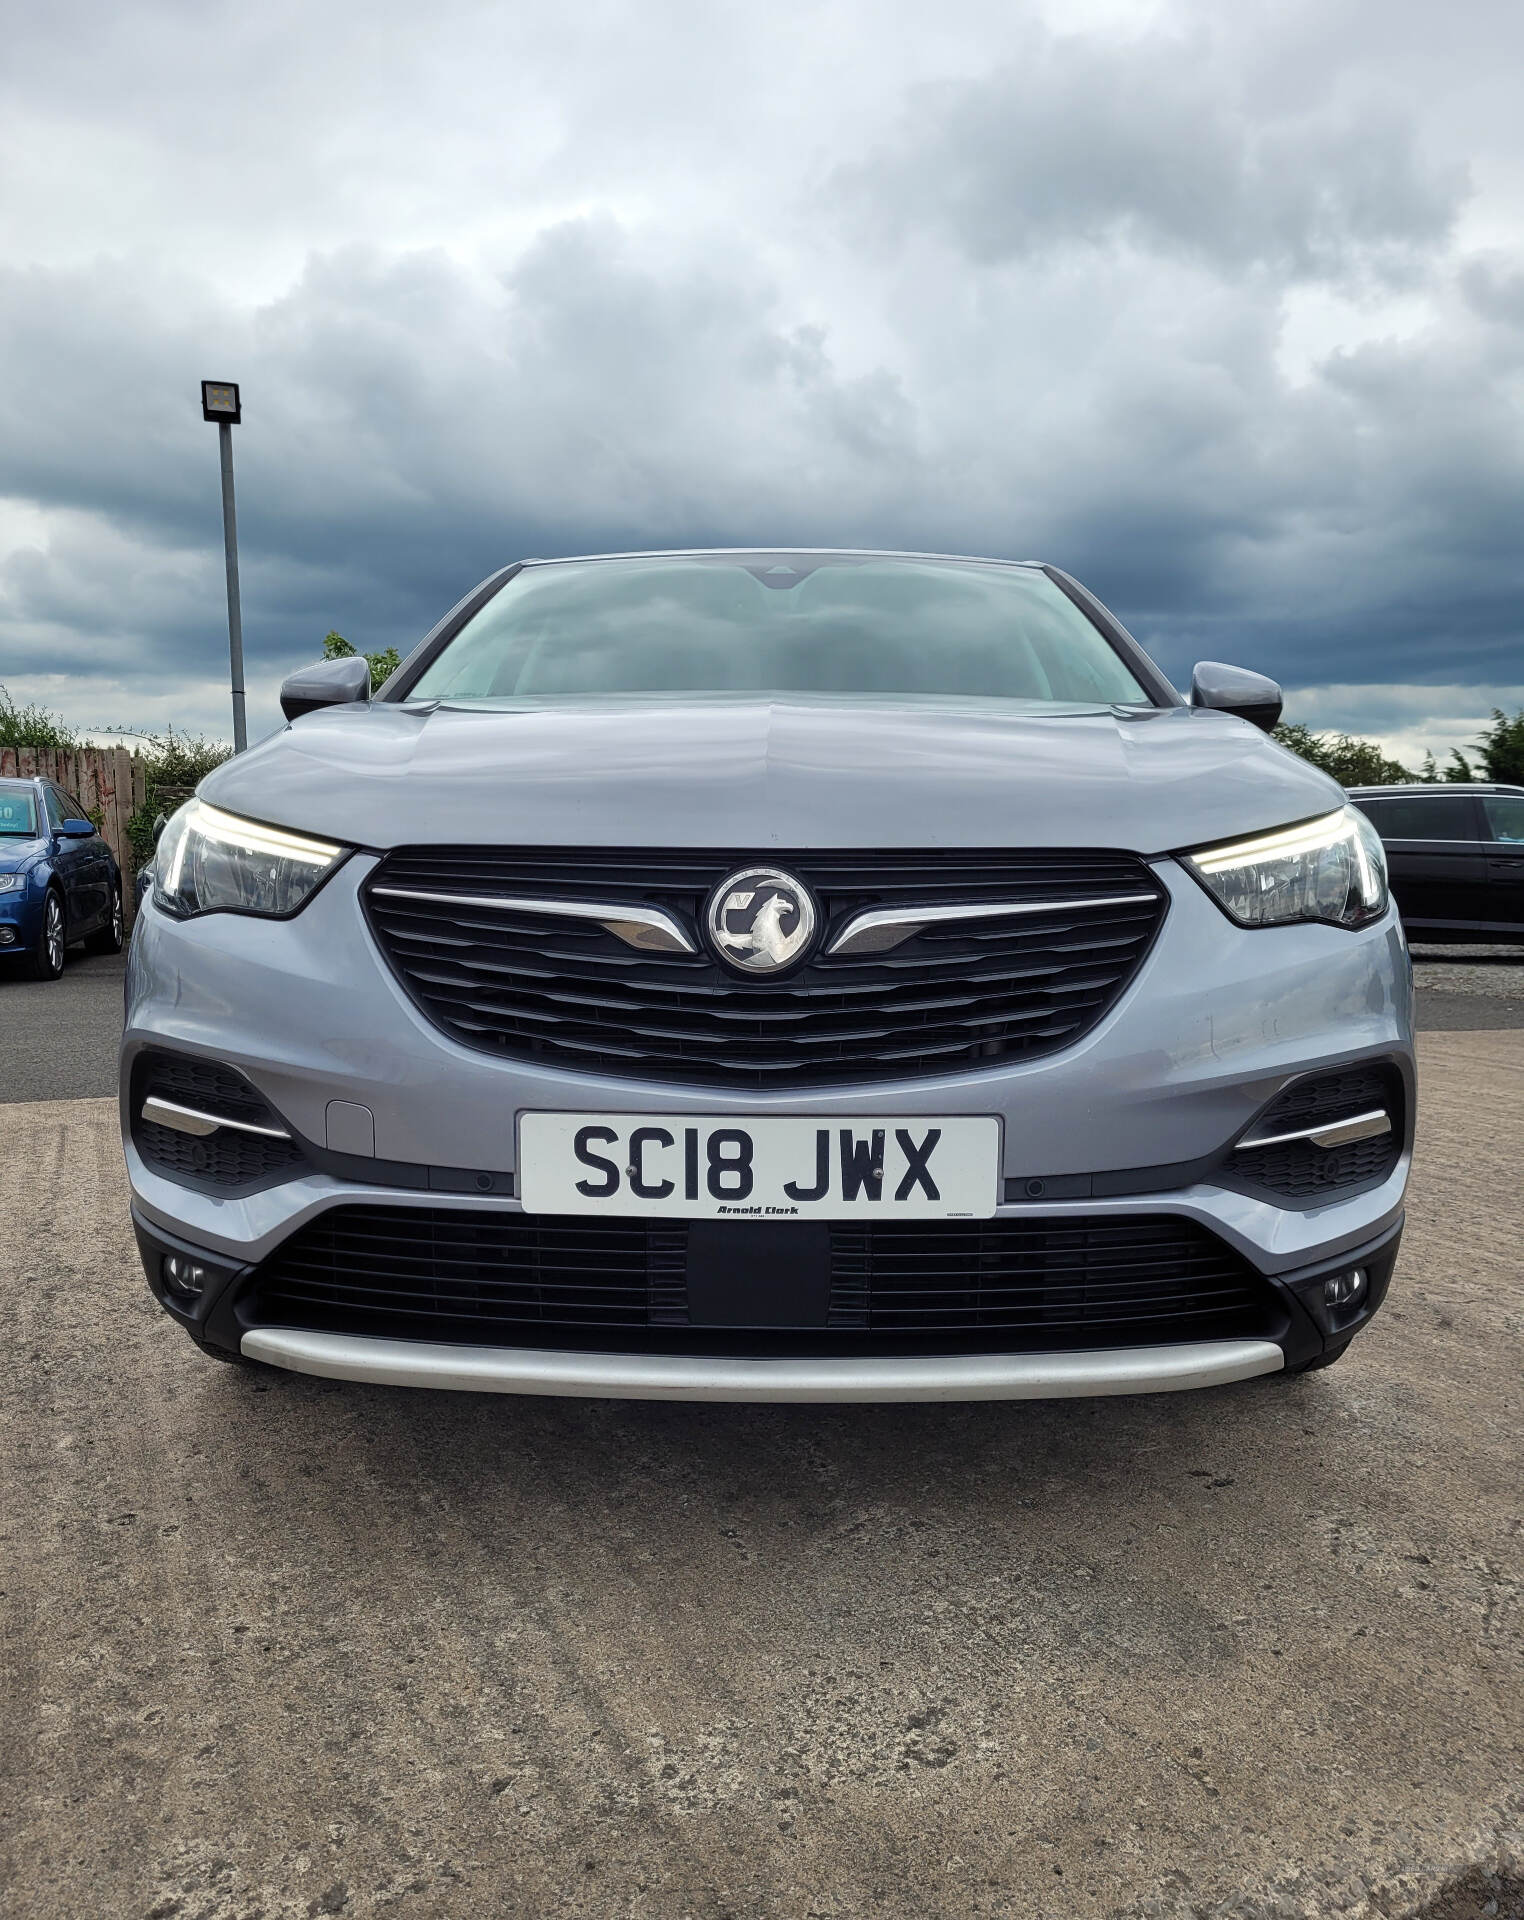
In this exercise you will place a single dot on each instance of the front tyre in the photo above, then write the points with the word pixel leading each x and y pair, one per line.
pixel 108 939
pixel 48 955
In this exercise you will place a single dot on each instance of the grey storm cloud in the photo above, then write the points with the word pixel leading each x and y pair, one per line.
pixel 1086 141
pixel 1222 310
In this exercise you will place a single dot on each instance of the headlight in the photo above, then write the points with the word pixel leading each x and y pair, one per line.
pixel 213 862
pixel 1331 869
pixel 12 882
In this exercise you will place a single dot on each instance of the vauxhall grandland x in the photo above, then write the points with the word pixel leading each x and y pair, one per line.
pixel 771 976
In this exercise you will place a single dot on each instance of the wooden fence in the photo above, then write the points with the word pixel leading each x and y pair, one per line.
pixel 109 783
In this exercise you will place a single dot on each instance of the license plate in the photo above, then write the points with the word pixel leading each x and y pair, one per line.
pixel 776 1168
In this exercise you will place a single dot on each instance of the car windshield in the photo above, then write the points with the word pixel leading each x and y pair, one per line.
pixel 758 624
pixel 18 810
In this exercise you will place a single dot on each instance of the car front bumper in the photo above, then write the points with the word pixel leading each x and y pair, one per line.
pixel 1216 1022
pixel 20 921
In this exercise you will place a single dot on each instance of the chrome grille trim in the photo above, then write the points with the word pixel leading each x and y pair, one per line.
pixel 882 929
pixel 646 927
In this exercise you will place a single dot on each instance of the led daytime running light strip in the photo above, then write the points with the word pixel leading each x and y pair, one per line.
pixel 1307 838
pixel 212 824
pixel 226 829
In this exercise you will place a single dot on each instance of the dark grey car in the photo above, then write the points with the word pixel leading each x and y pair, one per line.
pixel 775 976
pixel 1456 857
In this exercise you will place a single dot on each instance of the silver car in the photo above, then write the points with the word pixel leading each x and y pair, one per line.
pixel 771 976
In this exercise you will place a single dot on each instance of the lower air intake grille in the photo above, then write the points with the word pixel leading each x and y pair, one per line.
pixel 565 993
pixel 506 1279
pixel 1300 1169
pixel 224 1160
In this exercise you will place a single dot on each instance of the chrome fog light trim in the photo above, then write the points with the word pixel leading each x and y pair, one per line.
pixel 169 1113
pixel 1333 1133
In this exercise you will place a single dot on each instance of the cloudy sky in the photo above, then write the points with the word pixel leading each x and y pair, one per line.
pixel 1219 306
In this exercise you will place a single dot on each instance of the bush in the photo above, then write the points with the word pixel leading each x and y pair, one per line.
pixel 1498 755
pixel 382 665
pixel 32 726
pixel 1352 762
pixel 1501 748
pixel 176 763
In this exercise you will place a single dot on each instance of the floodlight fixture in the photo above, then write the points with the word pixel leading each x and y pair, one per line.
pixel 220 402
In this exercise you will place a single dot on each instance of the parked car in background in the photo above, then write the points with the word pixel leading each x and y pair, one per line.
pixel 59 881
pixel 1455 854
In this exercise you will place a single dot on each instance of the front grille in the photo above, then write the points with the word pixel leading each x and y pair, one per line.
pixel 508 1279
pixel 1301 1170
pixel 223 1160
pixel 567 994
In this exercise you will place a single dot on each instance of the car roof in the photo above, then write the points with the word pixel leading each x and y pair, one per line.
pixel 778 552
pixel 1433 786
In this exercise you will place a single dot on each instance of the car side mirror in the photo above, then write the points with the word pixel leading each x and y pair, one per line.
pixel 331 683
pixel 77 829
pixel 1237 691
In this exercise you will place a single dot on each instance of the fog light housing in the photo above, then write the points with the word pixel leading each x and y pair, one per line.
pixel 1344 1289
pixel 182 1275
pixel 7 936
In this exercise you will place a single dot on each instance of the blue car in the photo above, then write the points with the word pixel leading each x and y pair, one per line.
pixel 59 881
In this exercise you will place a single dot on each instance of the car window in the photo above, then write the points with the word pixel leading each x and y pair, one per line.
pixel 18 810
pixel 72 809
pixel 1505 817
pixel 764 623
pixel 53 801
pixel 1430 816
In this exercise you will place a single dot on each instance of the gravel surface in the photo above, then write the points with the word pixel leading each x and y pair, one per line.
pixel 1491 973
pixel 277 1647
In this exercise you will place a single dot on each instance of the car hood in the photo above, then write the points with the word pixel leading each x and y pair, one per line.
pixel 18 853
pixel 771 773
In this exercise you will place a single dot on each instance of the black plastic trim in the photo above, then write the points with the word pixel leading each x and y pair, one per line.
pixel 1318 1329
pixel 206 1319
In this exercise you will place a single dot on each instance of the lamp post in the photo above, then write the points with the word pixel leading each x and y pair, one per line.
pixel 220 402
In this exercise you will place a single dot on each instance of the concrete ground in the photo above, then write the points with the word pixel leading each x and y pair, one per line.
pixel 277 1647
pixel 58 1038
